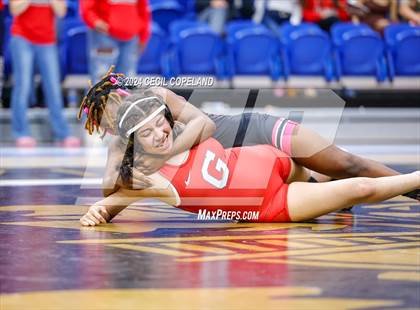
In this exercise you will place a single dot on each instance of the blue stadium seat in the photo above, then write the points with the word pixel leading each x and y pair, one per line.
pixel 164 12
pixel 306 50
pixel 360 52
pixel 403 50
pixel 195 50
pixel 177 26
pixel 286 28
pixel 72 8
pixel 243 58
pixel 75 51
pixel 64 25
pixel 339 29
pixel 151 59
pixel 237 25
pixel 188 6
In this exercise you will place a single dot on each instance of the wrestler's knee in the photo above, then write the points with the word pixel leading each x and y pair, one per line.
pixel 364 188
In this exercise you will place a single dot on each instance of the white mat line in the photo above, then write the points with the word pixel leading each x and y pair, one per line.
pixel 49 182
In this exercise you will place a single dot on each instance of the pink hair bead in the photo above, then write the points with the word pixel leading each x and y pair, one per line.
pixel 122 92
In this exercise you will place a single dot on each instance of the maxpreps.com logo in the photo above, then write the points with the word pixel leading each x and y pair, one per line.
pixel 222 215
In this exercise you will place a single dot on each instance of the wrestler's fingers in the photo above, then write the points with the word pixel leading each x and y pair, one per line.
pixel 105 214
pixel 91 218
pixel 97 216
pixel 140 180
pixel 86 222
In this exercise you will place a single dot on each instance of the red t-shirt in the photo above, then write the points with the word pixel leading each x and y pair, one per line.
pixel 312 8
pixel 125 18
pixel 36 23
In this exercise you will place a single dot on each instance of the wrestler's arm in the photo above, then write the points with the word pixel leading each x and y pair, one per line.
pixel 110 183
pixel 112 178
pixel 198 126
pixel 106 209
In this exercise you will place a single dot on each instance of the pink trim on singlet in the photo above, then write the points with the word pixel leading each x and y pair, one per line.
pixel 285 135
pixel 275 132
pixel 286 138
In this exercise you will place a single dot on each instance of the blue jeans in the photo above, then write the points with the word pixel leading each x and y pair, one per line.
pixel 24 56
pixel 105 51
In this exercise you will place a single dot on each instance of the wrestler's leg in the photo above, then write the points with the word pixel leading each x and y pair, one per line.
pixel 298 173
pixel 309 149
pixel 307 200
pixel 305 146
pixel 314 152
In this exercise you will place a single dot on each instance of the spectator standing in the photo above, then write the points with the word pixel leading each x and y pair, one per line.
pixel 2 31
pixel 33 40
pixel 118 32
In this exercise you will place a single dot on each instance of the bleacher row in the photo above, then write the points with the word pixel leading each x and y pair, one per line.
pixel 188 47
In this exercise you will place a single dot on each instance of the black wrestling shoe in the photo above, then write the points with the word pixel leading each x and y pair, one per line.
pixel 415 194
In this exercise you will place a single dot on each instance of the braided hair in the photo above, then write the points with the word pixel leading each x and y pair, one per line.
pixel 96 99
pixel 108 90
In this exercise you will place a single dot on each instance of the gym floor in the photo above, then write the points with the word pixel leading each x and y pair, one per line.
pixel 154 256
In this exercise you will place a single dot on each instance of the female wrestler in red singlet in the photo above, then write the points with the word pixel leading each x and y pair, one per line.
pixel 258 179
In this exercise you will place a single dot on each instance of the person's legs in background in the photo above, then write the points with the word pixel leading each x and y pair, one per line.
pixel 47 60
pixel 103 53
pixel 2 39
pixel 129 52
pixel 22 65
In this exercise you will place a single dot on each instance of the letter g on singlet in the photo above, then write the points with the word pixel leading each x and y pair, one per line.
pixel 220 167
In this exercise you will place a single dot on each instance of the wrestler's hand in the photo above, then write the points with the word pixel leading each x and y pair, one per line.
pixel 140 181
pixel 150 164
pixel 133 178
pixel 96 215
